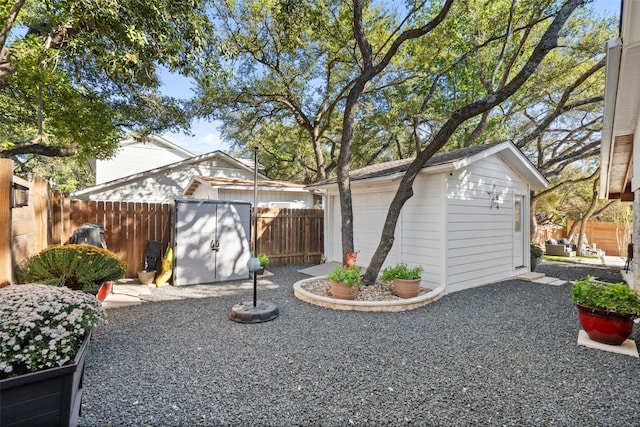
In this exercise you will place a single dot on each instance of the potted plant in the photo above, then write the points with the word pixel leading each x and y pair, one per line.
pixel 345 282
pixel 44 335
pixel 264 263
pixel 406 280
pixel 606 310
pixel 78 267
pixel 536 254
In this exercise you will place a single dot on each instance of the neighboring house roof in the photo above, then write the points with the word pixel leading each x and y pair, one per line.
pixel 621 108
pixel 452 160
pixel 158 140
pixel 133 156
pixel 239 183
pixel 165 169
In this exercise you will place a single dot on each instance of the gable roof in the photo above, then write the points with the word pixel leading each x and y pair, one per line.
pixel 160 141
pixel 164 169
pixel 452 160
pixel 239 183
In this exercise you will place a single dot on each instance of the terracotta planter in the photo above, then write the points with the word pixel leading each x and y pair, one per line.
pixel 604 327
pixel 340 291
pixel 50 397
pixel 406 288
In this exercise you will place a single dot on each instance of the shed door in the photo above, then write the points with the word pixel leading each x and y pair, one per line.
pixel 233 240
pixel 518 231
pixel 212 241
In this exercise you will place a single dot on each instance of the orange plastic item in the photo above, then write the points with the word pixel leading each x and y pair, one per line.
pixel 105 289
pixel 351 259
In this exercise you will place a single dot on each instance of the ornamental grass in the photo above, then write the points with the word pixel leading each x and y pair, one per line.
pixel 79 267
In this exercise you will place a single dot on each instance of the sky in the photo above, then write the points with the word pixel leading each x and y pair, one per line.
pixel 205 136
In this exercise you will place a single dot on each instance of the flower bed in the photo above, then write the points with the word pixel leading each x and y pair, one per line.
pixel 380 291
pixel 43 326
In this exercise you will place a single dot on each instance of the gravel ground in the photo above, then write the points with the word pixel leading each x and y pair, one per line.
pixel 501 354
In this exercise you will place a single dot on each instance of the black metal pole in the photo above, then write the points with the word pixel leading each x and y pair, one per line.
pixel 255 222
pixel 259 311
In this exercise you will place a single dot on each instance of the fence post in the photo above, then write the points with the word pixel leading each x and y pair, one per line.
pixel 6 178
pixel 40 190
pixel 307 241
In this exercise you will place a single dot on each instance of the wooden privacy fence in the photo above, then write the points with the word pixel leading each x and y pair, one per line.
pixel 128 225
pixel 291 236
pixel 287 236
pixel 611 237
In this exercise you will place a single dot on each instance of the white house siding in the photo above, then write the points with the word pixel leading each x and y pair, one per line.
pixel 480 237
pixel 370 208
pixel 206 192
pixel 264 196
pixel 422 237
pixel 418 234
pixel 166 185
pixel 127 161
pixel 370 205
pixel 332 229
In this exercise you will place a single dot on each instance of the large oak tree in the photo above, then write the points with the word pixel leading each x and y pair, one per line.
pixel 75 75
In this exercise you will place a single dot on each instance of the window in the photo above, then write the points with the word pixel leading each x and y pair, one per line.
pixel 517 212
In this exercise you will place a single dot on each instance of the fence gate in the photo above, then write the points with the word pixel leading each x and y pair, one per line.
pixel 212 241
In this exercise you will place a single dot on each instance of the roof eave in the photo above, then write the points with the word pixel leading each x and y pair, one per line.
pixel 612 75
pixel 515 158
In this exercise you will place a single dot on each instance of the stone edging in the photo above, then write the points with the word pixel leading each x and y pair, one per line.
pixel 341 304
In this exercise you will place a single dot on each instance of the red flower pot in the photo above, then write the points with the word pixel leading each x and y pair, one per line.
pixel 605 327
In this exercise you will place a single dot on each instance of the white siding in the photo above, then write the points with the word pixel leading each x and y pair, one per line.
pixel 162 187
pixel 206 192
pixel 135 158
pixel 480 237
pixel 370 205
pixel 333 229
pixel 422 239
pixel 266 196
pixel 369 213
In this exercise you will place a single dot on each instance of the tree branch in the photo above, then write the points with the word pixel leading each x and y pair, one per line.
pixel 36 147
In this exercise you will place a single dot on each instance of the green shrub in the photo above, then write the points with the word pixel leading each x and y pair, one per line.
pixel 79 267
pixel 402 271
pixel 348 276
pixel 264 260
pixel 611 297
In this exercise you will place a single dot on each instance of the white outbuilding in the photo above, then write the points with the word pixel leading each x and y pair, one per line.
pixel 467 224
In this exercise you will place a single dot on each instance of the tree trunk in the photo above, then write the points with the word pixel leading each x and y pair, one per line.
pixel 405 190
pixel 317 152
pixel 369 71
pixel 586 216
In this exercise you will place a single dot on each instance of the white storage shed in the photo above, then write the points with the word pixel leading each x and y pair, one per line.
pixel 212 241
pixel 467 224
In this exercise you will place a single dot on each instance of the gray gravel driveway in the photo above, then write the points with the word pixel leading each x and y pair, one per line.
pixel 502 354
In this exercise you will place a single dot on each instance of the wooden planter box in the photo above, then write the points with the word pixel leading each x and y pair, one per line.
pixel 45 398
